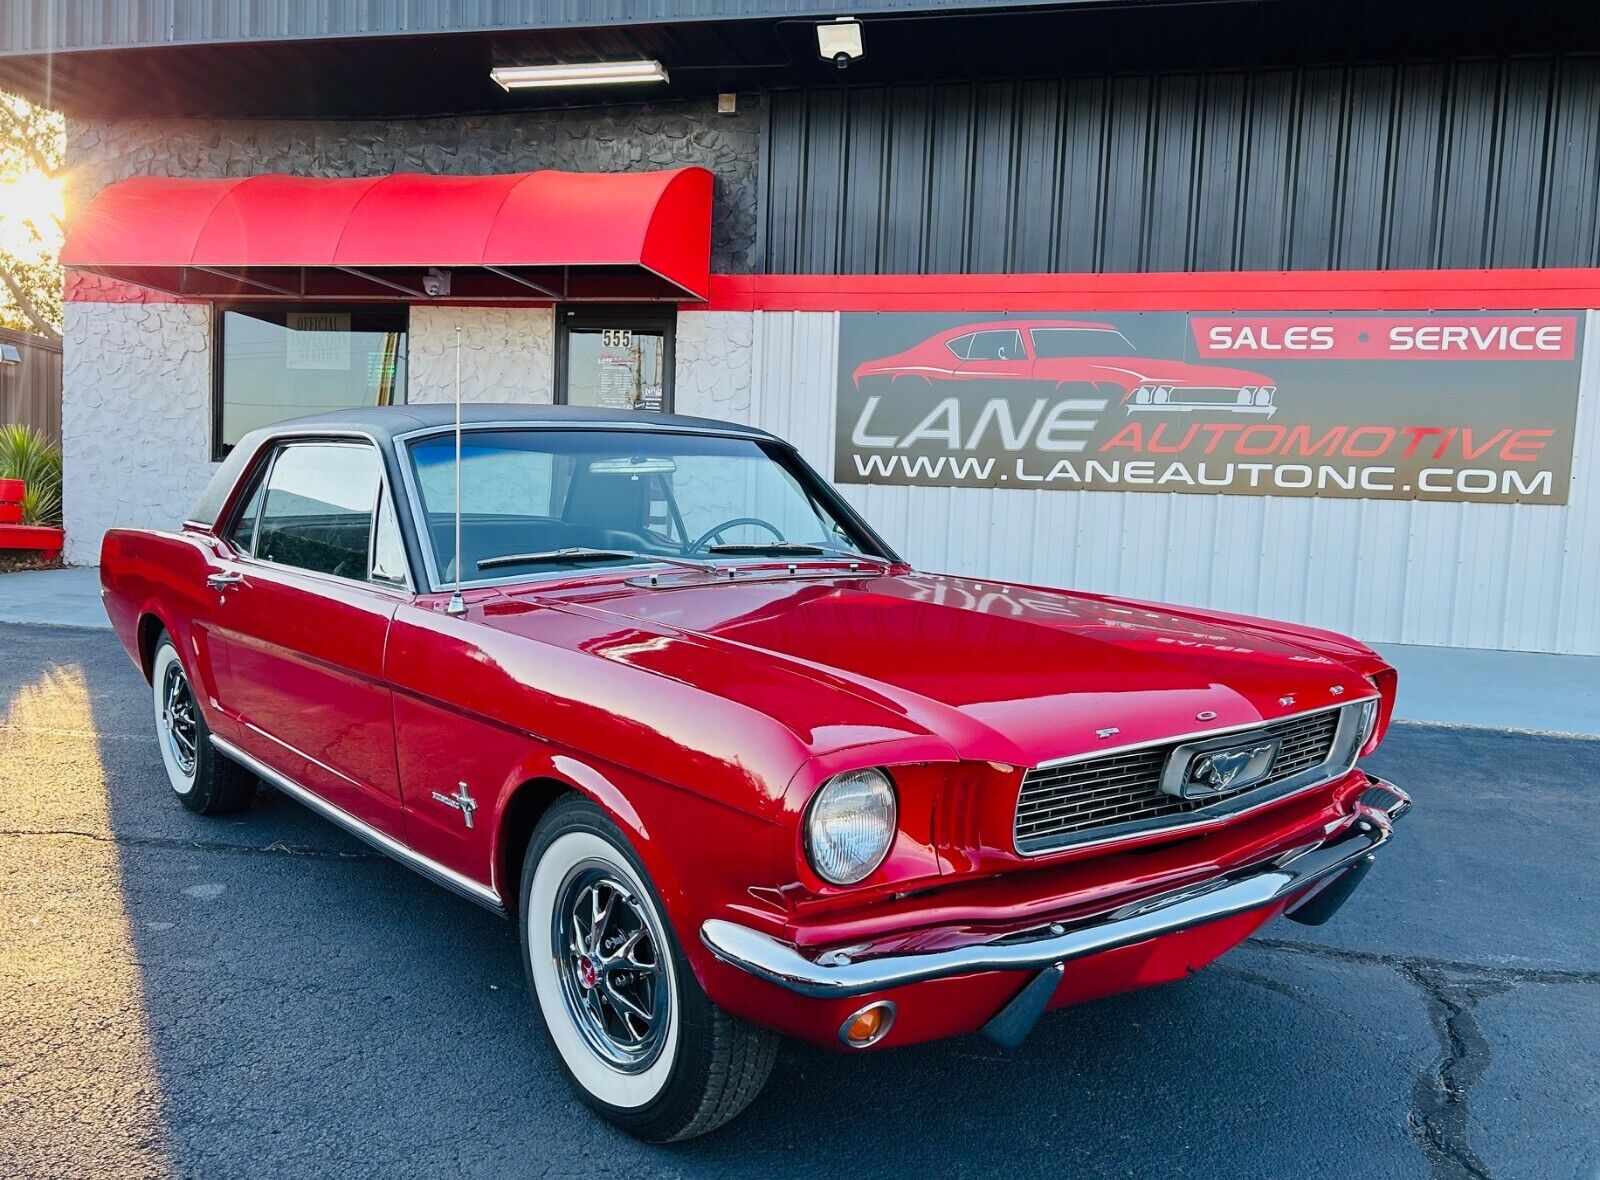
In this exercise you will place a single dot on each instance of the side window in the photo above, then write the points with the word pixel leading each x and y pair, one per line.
pixel 960 345
pixel 996 346
pixel 243 533
pixel 318 510
pixel 388 550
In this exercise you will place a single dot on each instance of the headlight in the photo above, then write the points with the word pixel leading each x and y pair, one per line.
pixel 1366 720
pixel 1163 394
pixel 1264 395
pixel 1247 395
pixel 1141 396
pixel 1355 730
pixel 850 826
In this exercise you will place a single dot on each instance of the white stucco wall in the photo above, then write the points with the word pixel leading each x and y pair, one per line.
pixel 507 354
pixel 135 418
pixel 136 399
pixel 714 365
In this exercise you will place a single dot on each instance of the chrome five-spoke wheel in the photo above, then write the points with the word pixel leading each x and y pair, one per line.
pixel 178 720
pixel 203 779
pixel 636 1035
pixel 612 979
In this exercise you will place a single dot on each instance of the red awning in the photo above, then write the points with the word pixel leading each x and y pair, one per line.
pixel 516 237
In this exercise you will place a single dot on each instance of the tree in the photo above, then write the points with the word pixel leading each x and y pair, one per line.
pixel 32 167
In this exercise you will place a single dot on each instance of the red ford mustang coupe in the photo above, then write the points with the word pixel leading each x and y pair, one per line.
pixel 650 688
pixel 1074 353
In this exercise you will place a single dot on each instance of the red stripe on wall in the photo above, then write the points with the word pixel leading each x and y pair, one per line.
pixel 1296 290
pixel 1348 290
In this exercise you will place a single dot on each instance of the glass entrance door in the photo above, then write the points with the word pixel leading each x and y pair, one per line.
pixel 618 360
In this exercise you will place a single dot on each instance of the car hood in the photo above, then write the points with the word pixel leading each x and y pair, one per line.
pixel 998 672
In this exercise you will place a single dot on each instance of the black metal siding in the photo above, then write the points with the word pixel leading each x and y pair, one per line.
pixel 1453 164
pixel 36 26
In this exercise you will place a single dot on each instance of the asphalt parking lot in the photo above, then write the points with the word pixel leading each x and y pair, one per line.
pixel 261 995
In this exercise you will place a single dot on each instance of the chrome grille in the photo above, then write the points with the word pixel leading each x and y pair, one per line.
pixel 1098 798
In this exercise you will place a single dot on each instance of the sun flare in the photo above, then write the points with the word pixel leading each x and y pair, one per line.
pixel 30 208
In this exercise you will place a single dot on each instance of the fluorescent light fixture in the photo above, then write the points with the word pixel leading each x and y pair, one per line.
pixel 592 73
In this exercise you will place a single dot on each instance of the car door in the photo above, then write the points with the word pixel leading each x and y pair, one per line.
pixel 308 580
pixel 996 353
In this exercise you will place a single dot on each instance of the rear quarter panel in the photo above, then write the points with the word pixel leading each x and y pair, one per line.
pixel 147 575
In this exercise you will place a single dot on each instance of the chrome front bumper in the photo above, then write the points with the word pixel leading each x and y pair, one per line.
pixel 1345 851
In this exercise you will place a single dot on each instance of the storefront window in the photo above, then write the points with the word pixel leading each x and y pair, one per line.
pixel 277 363
pixel 615 359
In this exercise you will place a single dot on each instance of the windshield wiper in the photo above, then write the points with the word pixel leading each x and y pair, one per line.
pixel 792 549
pixel 556 556
pixel 580 554
pixel 770 549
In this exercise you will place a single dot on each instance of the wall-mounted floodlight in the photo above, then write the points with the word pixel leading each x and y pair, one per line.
pixel 594 73
pixel 839 41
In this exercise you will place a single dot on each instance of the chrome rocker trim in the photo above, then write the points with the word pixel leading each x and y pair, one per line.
pixel 835 974
pixel 431 869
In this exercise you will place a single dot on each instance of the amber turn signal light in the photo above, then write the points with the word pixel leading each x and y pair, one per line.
pixel 867 1026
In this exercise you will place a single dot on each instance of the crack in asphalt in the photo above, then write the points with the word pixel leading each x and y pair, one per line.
pixel 1451 991
pixel 1439 1098
pixel 1422 962
pixel 172 844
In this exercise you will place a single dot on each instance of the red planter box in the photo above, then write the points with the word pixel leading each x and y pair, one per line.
pixel 11 491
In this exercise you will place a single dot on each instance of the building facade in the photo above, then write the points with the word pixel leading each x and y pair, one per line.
pixel 1195 305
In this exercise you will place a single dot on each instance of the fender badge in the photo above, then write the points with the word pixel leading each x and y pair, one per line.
pixel 1107 732
pixel 1206 715
pixel 1337 690
pixel 1286 701
pixel 462 801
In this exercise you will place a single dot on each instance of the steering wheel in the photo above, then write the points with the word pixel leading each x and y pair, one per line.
pixel 716 533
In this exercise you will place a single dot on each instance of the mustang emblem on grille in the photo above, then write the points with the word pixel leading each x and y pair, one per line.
pixel 1233 769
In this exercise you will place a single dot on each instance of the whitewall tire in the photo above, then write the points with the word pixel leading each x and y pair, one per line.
pixel 203 780
pixel 637 1037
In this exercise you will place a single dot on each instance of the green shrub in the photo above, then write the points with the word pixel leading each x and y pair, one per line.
pixel 25 454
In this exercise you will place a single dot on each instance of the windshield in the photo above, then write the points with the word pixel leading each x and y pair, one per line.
pixel 534 501
pixel 1058 342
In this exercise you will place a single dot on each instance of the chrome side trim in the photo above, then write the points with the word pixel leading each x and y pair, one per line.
pixel 431 869
pixel 835 973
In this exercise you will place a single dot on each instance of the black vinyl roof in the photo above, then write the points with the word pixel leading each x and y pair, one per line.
pixel 383 424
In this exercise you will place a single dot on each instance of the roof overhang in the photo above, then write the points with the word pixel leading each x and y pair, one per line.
pixel 518 237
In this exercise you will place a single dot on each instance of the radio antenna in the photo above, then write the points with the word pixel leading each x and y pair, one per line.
pixel 456 606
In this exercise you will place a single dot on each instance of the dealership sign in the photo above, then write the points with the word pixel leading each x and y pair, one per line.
pixel 1477 407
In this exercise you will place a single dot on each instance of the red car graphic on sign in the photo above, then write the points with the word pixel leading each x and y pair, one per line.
pixel 1074 353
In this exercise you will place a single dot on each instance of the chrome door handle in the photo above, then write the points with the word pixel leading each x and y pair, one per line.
pixel 223 581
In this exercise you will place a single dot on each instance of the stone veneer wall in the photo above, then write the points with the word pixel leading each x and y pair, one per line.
pixel 715 365
pixel 507 354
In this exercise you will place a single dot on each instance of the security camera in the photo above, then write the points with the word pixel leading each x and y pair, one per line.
pixel 839 41
pixel 436 283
